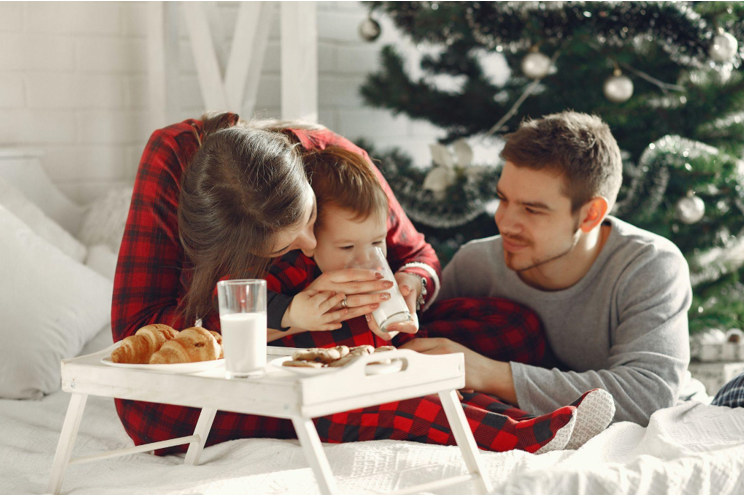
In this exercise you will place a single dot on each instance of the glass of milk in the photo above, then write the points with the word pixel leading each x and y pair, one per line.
pixel 395 309
pixel 243 319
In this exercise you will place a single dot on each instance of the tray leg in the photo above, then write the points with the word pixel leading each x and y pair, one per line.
pixel 203 425
pixel 313 449
pixel 464 438
pixel 66 441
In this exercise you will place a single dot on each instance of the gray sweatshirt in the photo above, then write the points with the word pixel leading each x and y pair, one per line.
pixel 622 327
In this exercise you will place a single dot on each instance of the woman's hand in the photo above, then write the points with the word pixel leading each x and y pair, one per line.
pixel 357 284
pixel 313 310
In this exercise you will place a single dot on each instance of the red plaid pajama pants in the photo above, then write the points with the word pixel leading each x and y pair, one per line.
pixel 496 328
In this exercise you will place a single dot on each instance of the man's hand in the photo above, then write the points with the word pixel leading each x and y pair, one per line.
pixel 481 373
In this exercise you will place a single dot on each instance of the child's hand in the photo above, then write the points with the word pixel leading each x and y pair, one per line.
pixel 313 310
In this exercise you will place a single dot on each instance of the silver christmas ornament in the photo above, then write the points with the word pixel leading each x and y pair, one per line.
pixel 536 65
pixel 618 88
pixel 690 209
pixel 724 47
pixel 369 30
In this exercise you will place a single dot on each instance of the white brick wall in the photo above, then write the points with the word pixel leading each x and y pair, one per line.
pixel 73 82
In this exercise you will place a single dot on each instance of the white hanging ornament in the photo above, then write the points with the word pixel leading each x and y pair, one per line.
pixel 618 88
pixel 438 181
pixel 536 65
pixel 369 30
pixel 443 175
pixel 724 47
pixel 690 209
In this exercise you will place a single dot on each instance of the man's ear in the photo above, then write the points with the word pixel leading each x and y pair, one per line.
pixel 593 213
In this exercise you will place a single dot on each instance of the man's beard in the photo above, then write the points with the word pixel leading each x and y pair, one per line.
pixel 536 263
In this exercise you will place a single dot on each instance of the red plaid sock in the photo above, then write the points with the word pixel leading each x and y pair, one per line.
pixel 423 420
pixel 493 404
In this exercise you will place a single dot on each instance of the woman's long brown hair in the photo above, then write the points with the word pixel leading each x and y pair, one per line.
pixel 243 186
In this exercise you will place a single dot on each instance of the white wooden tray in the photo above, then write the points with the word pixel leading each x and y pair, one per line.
pixel 277 393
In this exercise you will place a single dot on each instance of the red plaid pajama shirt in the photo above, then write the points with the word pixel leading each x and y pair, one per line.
pixel 150 281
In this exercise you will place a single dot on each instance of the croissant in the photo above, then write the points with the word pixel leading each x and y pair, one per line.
pixel 139 348
pixel 218 338
pixel 191 345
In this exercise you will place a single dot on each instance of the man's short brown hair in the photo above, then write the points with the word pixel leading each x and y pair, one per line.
pixel 578 146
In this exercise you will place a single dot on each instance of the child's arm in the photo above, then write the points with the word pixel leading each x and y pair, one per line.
pixel 286 278
pixel 293 307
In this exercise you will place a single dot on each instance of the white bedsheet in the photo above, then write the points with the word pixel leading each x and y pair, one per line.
pixel 688 449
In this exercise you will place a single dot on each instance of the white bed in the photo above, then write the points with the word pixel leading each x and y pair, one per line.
pixel 692 448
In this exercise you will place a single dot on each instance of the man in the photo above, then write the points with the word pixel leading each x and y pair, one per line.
pixel 613 298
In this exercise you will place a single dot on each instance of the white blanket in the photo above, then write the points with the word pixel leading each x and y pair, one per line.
pixel 689 449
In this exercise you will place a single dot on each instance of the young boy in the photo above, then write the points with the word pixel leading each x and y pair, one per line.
pixel 352 217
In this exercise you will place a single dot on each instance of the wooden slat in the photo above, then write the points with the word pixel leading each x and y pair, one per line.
pixel 258 54
pixel 162 62
pixel 299 61
pixel 465 440
pixel 205 58
pixel 246 29
pixel 136 450
pixel 220 32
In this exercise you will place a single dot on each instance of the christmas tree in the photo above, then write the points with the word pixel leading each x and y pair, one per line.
pixel 666 77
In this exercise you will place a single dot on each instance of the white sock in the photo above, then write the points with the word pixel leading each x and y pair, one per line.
pixel 593 416
pixel 561 437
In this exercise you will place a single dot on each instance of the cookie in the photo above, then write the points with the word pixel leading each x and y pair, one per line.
pixel 385 348
pixel 352 356
pixel 334 356
pixel 303 364
pixel 362 349
pixel 325 356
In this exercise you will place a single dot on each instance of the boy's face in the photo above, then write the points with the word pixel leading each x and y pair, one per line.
pixel 534 218
pixel 342 238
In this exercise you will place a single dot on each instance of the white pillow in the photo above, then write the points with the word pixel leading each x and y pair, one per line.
pixel 102 260
pixel 50 307
pixel 12 199
pixel 105 219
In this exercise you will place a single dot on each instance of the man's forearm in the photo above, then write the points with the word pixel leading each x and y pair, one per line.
pixel 496 379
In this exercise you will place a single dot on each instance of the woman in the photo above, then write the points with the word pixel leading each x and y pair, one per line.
pixel 179 242
pixel 219 197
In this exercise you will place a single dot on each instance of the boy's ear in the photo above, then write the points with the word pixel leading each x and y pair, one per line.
pixel 593 213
